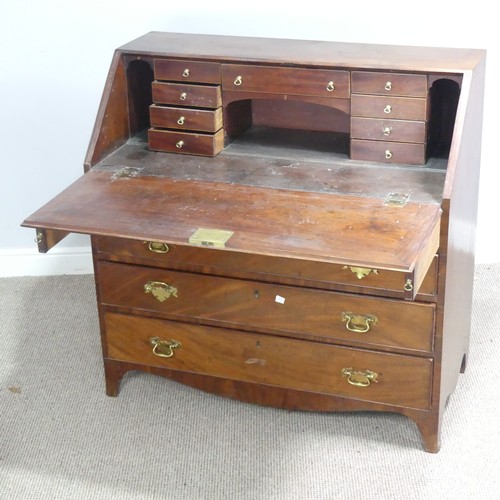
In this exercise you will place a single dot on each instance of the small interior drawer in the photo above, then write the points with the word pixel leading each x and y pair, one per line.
pixel 388 130
pixel 172 141
pixel 290 81
pixel 186 71
pixel 388 152
pixel 200 96
pixel 385 378
pixel 394 108
pixel 397 84
pixel 202 120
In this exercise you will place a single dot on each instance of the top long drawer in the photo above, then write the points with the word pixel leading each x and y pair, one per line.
pixel 292 81
pixel 275 269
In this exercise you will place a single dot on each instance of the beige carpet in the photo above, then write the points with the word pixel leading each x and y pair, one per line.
pixel 62 438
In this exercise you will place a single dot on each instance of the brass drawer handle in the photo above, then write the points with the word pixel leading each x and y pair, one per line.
pixel 157 247
pixel 387 109
pixel 359 378
pixel 388 86
pixel 388 154
pixel 238 80
pixel 164 348
pixel 185 73
pixel 183 96
pixel 181 120
pixel 358 323
pixel 179 144
pixel 387 131
pixel 330 86
pixel 161 291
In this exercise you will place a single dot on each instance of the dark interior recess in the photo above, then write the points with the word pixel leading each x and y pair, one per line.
pixel 444 95
pixel 139 77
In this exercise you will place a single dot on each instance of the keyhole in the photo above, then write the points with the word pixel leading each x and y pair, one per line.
pixel 256 294
pixel 257 344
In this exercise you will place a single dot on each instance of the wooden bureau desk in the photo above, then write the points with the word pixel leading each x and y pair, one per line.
pixel 288 223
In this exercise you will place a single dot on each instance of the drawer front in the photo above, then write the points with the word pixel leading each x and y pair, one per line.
pixel 261 267
pixel 388 130
pixel 202 120
pixel 200 96
pixel 398 84
pixel 292 81
pixel 171 141
pixel 270 308
pixel 388 152
pixel 264 359
pixel 394 108
pixel 187 71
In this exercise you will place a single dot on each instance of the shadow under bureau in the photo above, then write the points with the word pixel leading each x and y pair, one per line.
pixel 285 222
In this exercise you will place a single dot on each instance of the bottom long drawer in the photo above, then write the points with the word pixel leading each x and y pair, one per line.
pixel 295 364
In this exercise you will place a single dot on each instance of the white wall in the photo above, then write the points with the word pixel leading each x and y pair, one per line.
pixel 56 55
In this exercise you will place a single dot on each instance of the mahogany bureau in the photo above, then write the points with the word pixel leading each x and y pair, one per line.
pixel 285 222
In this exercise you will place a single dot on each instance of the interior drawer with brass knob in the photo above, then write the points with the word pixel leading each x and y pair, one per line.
pixel 394 108
pixel 187 71
pixel 202 120
pixel 200 96
pixel 288 81
pixel 270 308
pixel 388 130
pixel 172 141
pixel 388 152
pixel 397 84
pixel 264 268
pixel 385 378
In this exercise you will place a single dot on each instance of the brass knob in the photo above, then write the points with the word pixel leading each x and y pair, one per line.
pixel 388 109
pixel 388 154
pixel 183 96
pixel 179 144
pixel 388 86
pixel 386 131
pixel 238 80
pixel 181 120
pixel 408 286
pixel 185 73
pixel 330 86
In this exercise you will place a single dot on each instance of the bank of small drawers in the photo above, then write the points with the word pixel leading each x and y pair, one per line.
pixel 186 114
pixel 388 117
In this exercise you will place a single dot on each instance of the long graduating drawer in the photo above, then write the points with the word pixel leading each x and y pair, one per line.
pixel 202 120
pixel 282 80
pixel 395 108
pixel 265 359
pixel 264 268
pixel 388 152
pixel 388 130
pixel 398 84
pixel 200 96
pixel 173 141
pixel 268 308
pixel 187 71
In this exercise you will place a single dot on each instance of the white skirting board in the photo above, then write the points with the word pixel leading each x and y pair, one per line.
pixel 28 262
